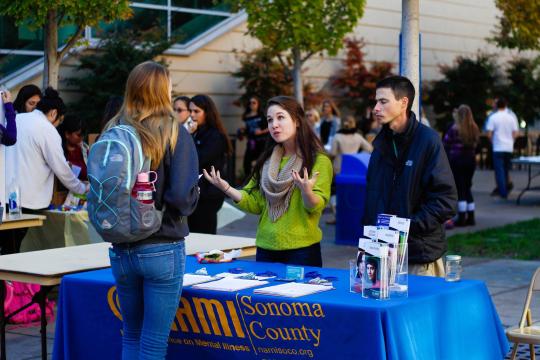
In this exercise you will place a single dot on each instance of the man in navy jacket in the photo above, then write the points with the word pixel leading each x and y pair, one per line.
pixel 409 176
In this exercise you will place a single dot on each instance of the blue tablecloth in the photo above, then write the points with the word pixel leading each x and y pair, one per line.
pixel 439 320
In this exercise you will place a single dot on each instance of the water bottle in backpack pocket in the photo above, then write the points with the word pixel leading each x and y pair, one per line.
pixel 115 163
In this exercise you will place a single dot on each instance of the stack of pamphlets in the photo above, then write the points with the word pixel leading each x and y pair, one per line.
pixel 192 279
pixel 382 258
pixel 292 289
pixel 229 284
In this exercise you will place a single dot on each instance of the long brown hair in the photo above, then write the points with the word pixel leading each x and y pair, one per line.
pixel 307 143
pixel 211 116
pixel 147 107
pixel 335 110
pixel 467 129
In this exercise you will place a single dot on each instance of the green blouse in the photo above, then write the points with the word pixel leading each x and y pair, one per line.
pixel 299 226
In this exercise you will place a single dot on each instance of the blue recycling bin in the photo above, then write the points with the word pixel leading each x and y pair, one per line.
pixel 351 196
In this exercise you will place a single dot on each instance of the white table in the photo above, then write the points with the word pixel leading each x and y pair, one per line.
pixel 529 161
pixel 47 267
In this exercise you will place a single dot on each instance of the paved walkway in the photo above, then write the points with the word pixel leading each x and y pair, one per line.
pixel 507 280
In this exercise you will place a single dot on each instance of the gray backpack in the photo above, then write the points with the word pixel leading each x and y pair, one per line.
pixel 113 164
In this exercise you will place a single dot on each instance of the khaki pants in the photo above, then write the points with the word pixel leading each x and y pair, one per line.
pixel 435 268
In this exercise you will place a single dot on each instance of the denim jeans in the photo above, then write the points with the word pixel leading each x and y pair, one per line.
pixel 501 165
pixel 149 283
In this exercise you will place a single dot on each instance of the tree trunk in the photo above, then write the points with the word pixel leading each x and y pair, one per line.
pixel 297 76
pixel 52 60
pixel 410 48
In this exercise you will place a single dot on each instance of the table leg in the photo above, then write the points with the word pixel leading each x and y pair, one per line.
pixel 526 187
pixel 41 298
pixel 2 320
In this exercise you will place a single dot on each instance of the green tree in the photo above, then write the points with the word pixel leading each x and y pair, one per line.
pixel 105 71
pixel 472 81
pixel 519 24
pixel 260 74
pixel 52 14
pixel 523 88
pixel 355 82
pixel 301 28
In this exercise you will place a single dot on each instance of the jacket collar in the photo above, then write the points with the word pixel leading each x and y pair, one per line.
pixel 383 141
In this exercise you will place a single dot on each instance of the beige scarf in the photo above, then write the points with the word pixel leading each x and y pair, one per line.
pixel 277 185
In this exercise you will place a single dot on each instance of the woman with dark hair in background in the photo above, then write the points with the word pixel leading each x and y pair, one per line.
pixel 75 149
pixel 289 187
pixel 27 99
pixel 213 146
pixel 460 144
pixel 256 131
pixel 181 108
pixel 330 122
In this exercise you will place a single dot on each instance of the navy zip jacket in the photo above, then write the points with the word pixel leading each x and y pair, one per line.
pixel 176 187
pixel 417 184
pixel 212 150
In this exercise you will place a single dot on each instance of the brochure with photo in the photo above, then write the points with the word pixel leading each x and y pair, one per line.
pixel 359 266
pixel 375 276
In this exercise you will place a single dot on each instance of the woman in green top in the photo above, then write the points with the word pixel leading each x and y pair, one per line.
pixel 289 187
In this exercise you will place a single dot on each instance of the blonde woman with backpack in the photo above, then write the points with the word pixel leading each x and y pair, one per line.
pixel 148 271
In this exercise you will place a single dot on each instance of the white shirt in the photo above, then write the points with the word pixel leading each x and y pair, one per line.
pixel 34 160
pixel 503 124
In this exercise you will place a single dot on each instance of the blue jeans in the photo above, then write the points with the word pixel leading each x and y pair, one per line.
pixel 149 283
pixel 501 165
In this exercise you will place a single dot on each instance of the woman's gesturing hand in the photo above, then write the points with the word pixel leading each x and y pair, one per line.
pixel 305 184
pixel 215 179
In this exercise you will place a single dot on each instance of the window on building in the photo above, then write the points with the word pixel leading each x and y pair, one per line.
pixel 181 20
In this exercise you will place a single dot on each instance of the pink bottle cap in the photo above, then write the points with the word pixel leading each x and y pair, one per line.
pixel 143 177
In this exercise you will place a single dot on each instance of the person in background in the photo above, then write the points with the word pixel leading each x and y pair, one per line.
pixel 27 99
pixel 181 108
pixel 256 131
pixel 148 273
pixel 111 109
pixel 213 147
pixel 314 119
pixel 460 143
pixel 75 149
pixel 289 188
pixel 409 176
pixel 366 121
pixel 330 122
pixel 8 133
pixel 346 141
pixel 36 158
pixel 502 129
